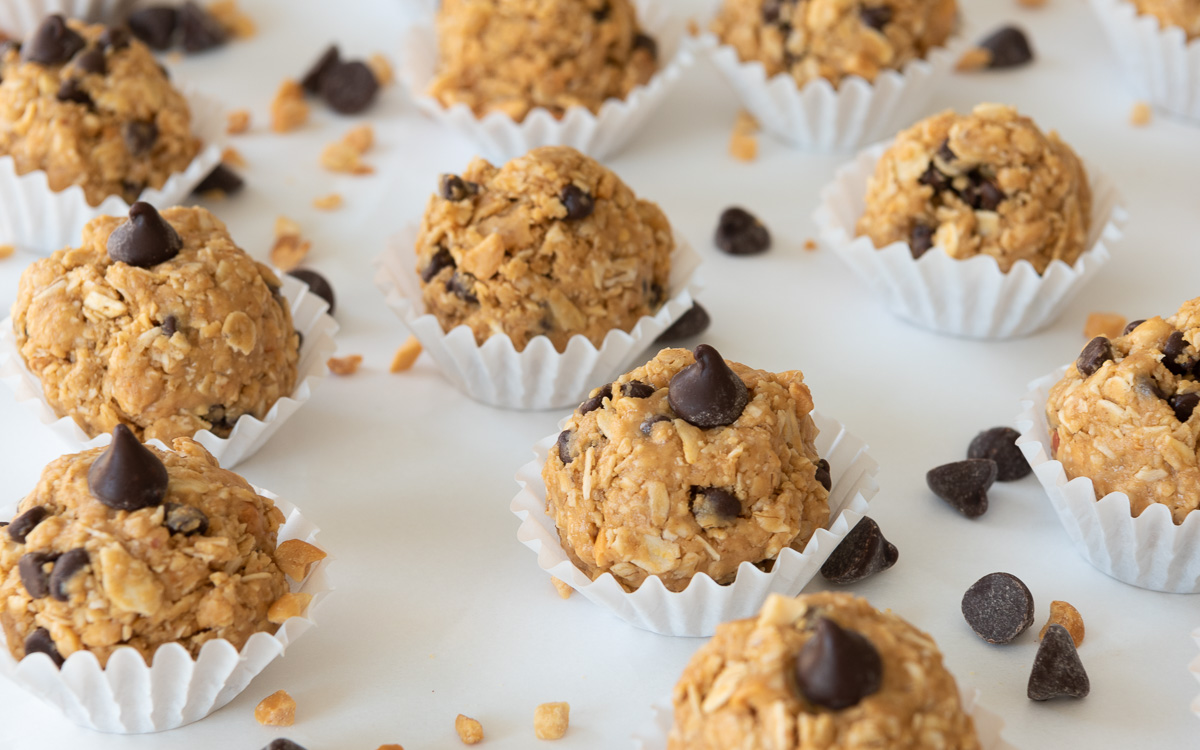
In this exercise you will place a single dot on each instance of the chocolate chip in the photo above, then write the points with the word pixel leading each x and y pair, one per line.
pixel 964 484
pixel 40 642
pixel 154 25
pixel 455 188
pixel 945 153
pixel 646 42
pixel 114 38
pixel 578 202
pixel 1057 671
pixel 692 323
pixel 1131 325
pixel 713 506
pixel 34 576
pixel 822 475
pixel 600 15
pixel 317 284
pixel 127 475
pixel 739 232
pixel 1008 46
pixel 998 607
pixel 875 17
pixel 145 240
pixel 1183 404
pixel 708 393
pixel 25 523
pixel 648 424
pixel 862 553
pixel 170 326
pixel 1094 355
pixel 461 285
pixel 222 179
pixel 837 668
pixel 1147 388
pixel 52 42
pixel 920 239
pixel 596 401
pixel 982 194
pixel 441 259
pixel 637 389
pixel 139 137
pixel 1000 445
pixel 184 519
pixel 771 10
pixel 66 568
pixel 92 61
pixel 1173 352
pixel 934 179
pixel 200 30
pixel 311 82
pixel 69 91
pixel 349 87
pixel 565 438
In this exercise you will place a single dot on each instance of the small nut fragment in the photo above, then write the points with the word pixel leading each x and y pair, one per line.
pixel 382 69
pixel 976 58
pixel 564 590
pixel 811 244
pixel 1108 325
pixel 290 248
pixel 346 155
pixel 233 157
pixel 287 606
pixel 330 202
pixel 1140 115
pixel 469 730
pixel 295 558
pixel 237 121
pixel 288 109
pixel 344 365
pixel 1032 3
pixel 6 251
pixel 406 355
pixel 390 747
pixel 743 142
pixel 550 720
pixel 276 710
pixel 1062 613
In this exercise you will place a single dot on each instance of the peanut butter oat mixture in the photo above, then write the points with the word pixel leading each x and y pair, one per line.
pixel 833 39
pixel 1125 417
pixel 1182 13
pixel 987 183
pixel 740 690
pixel 638 491
pixel 195 568
pixel 549 244
pixel 511 56
pixel 105 118
pixel 188 344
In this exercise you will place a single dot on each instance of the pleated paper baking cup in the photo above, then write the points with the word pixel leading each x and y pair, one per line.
pixel 599 135
pixel 1149 551
pixel 18 18
pixel 35 218
pixel 249 433
pixel 539 376
pixel 1160 63
pixel 130 697
pixel 697 610
pixel 1194 668
pixel 820 117
pixel 972 297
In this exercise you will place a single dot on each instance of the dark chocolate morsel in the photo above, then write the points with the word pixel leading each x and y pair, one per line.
pixel 154 25
pixel 53 42
pixel 1173 352
pixel 222 179
pixel 317 284
pixel 714 506
pixel 1094 355
pixel 649 422
pixel 837 667
pixel 739 232
pixel 69 91
pixel 578 202
pixel 1184 404
pixel 461 285
pixel 170 326
pixel 861 554
pixel 933 177
pixel 1000 445
pixel 708 393
pixel 646 42
pixel 1008 47
pixel 875 16
pixel 128 475
pixel 34 576
pixel 563 444
pixel 199 29
pixel 311 82
pixel 92 61
pixel 982 194
pixel 596 401
pixel 147 239
pixel 920 239
pixel 66 568
pixel 1132 324
pixel 184 519
pixel 964 484
pixel 40 642
pixel 771 10
pixel 282 744
pixel 114 38
pixel 20 526
pixel 349 87
pixel 692 323
pixel 822 474
pixel 441 259
pixel 637 389
pixel 1057 671
pixel 998 607
pixel 139 137
pixel 454 188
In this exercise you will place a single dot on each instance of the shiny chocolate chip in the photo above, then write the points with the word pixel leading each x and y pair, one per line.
pixel 837 667
pixel 40 642
pixel 1000 445
pixel 875 16
pixel 184 519
pixel 692 323
pixel 982 194
pixel 1173 357
pixel 170 326
pixel 199 29
pixel 317 284
pixel 945 153
pixel 708 393
pixel 454 188
pixel 578 202
pixel 34 575
pixel 920 239
pixel 69 91
pixel 222 179
pixel 349 87
pixel 964 484
pixel 20 526
pixel 934 178
pixel 861 553
pixel 52 42
pixel 1057 670
pixel 563 444
pixel 648 423
pixel 1094 355
pixel 146 240
pixel 646 42
pixel 1183 404
pixel 597 400
pixel 998 607
pixel 139 137
pixel 822 475
pixel 713 506
pixel 311 82
pixel 65 568
pixel 92 61
pixel 461 285
pixel 1008 47
pixel 154 25
pixel 1132 325
pixel 739 232
pixel 441 259
pixel 637 389
pixel 127 475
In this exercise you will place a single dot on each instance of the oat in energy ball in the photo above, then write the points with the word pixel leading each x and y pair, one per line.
pixel 1182 13
pixel 1124 415
pixel 987 183
pixel 512 56
pixel 551 244
pixel 822 671
pixel 834 39
pixel 91 107
pixel 158 322
pixel 687 465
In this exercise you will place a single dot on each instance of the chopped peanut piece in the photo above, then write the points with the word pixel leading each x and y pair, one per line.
pixel 743 143
pixel 810 245
pixel 276 710
pixel 288 109
pixel 406 355
pixel 550 720
pixel 1032 3
pixel 296 557
pixel 469 730
pixel 975 58
pixel 345 365
pixel 345 155
pixel 290 249
pixel 288 606
pixel 6 251
pixel 1064 614
pixel 1140 115
pixel 693 27
pixel 238 24
pixel 331 202
pixel 563 589
pixel 390 747
pixel 1108 325
pixel 382 69
pixel 233 157
pixel 238 121
pixel 285 226
pixel 361 139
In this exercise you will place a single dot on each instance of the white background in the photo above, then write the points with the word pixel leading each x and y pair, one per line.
pixel 439 610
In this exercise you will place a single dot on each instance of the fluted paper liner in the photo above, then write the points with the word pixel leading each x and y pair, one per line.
pixel 129 697
pixel 1160 63
pixel 539 376
pixel 704 604
pixel 33 217
pixel 820 117
pixel 1149 551
pixel 971 297
pixel 249 433
pixel 1194 668
pixel 598 135
pixel 18 18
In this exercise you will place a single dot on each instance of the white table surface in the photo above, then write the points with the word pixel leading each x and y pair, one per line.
pixel 439 610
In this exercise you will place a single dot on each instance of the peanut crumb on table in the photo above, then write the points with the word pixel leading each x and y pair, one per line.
pixel 406 355
pixel 1062 613
pixel 346 155
pixel 382 69
pixel 287 606
pixel 288 109
pixel 743 142
pixel 276 710
pixel 290 249
pixel 550 720
pixel 975 58
pixel 563 589
pixel 1140 115
pixel 237 121
pixel 295 557
pixel 1032 3
pixel 811 244
pixel 230 16
pixel 345 365
pixel 233 157
pixel 390 747
pixel 330 202
pixel 6 251
pixel 1106 324
pixel 469 730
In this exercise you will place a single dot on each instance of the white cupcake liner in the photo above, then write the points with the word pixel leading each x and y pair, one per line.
pixel 20 17
pixel 129 697
pixel 819 117
pixel 539 376
pixel 988 725
pixel 972 297
pixel 1149 551
pixel 33 217
pixel 697 610
pixel 599 135
pixel 1160 63
pixel 249 433
pixel 1194 668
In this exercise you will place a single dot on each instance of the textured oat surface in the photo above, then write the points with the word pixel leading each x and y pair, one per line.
pixel 1182 13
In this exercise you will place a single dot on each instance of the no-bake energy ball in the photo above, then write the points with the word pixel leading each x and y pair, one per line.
pixel 987 183
pixel 687 465
pixel 833 39
pixel 511 56
pixel 157 322
pixel 819 672
pixel 1182 13
pixel 551 244
pixel 90 106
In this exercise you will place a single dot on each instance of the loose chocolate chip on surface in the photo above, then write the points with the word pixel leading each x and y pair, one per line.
pixel 708 393
pixel 317 284
pixel 837 668
pixel 223 179
pixel 34 576
pixel 145 240
pixel 460 285
pixel 646 42
pixel 199 29
pixel 184 519
pixel 1057 671
pixel 154 25
pixel 862 553
pixel 349 87
pixel 1094 355
pixel 964 484
pixel 24 523
pixel 692 323
pixel 69 91
pixel 441 259
pixel 1000 445
pixel 648 423
pixel 170 326
pixel 920 239
pixel 822 474
pixel 1009 47
pixel 65 568
pixel 998 607
pixel 564 446
pixel 127 475
pixel 1184 404
pixel 637 389
pixel 578 202
pixel 139 137
pixel 1131 325
pixel 715 505
pixel 311 82
pixel 1173 351
pixel 595 402
pixel 875 17
pixel 92 61
pixel 40 642
pixel 739 232
pixel 114 38
pixel 454 188
pixel 52 42
pixel 282 744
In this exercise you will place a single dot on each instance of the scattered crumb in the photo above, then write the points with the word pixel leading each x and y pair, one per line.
pixel 285 226
pixel 975 58
pixel 1108 325
pixel 693 27
pixel 382 69
pixel 406 355
pixel 174 57
pixel 233 157
pixel 550 720
pixel 290 249
pixel 1140 115
pixel 361 138
pixel 346 155
pixel 345 365
pixel 238 24
pixel 811 244
pixel 296 557
pixel 287 606
pixel 564 591
pixel 330 202
pixel 276 710
pixel 1032 3
pixel 390 747
pixel 1064 614
pixel 288 109
pixel 237 121
pixel 6 251
pixel 743 142
pixel 469 730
